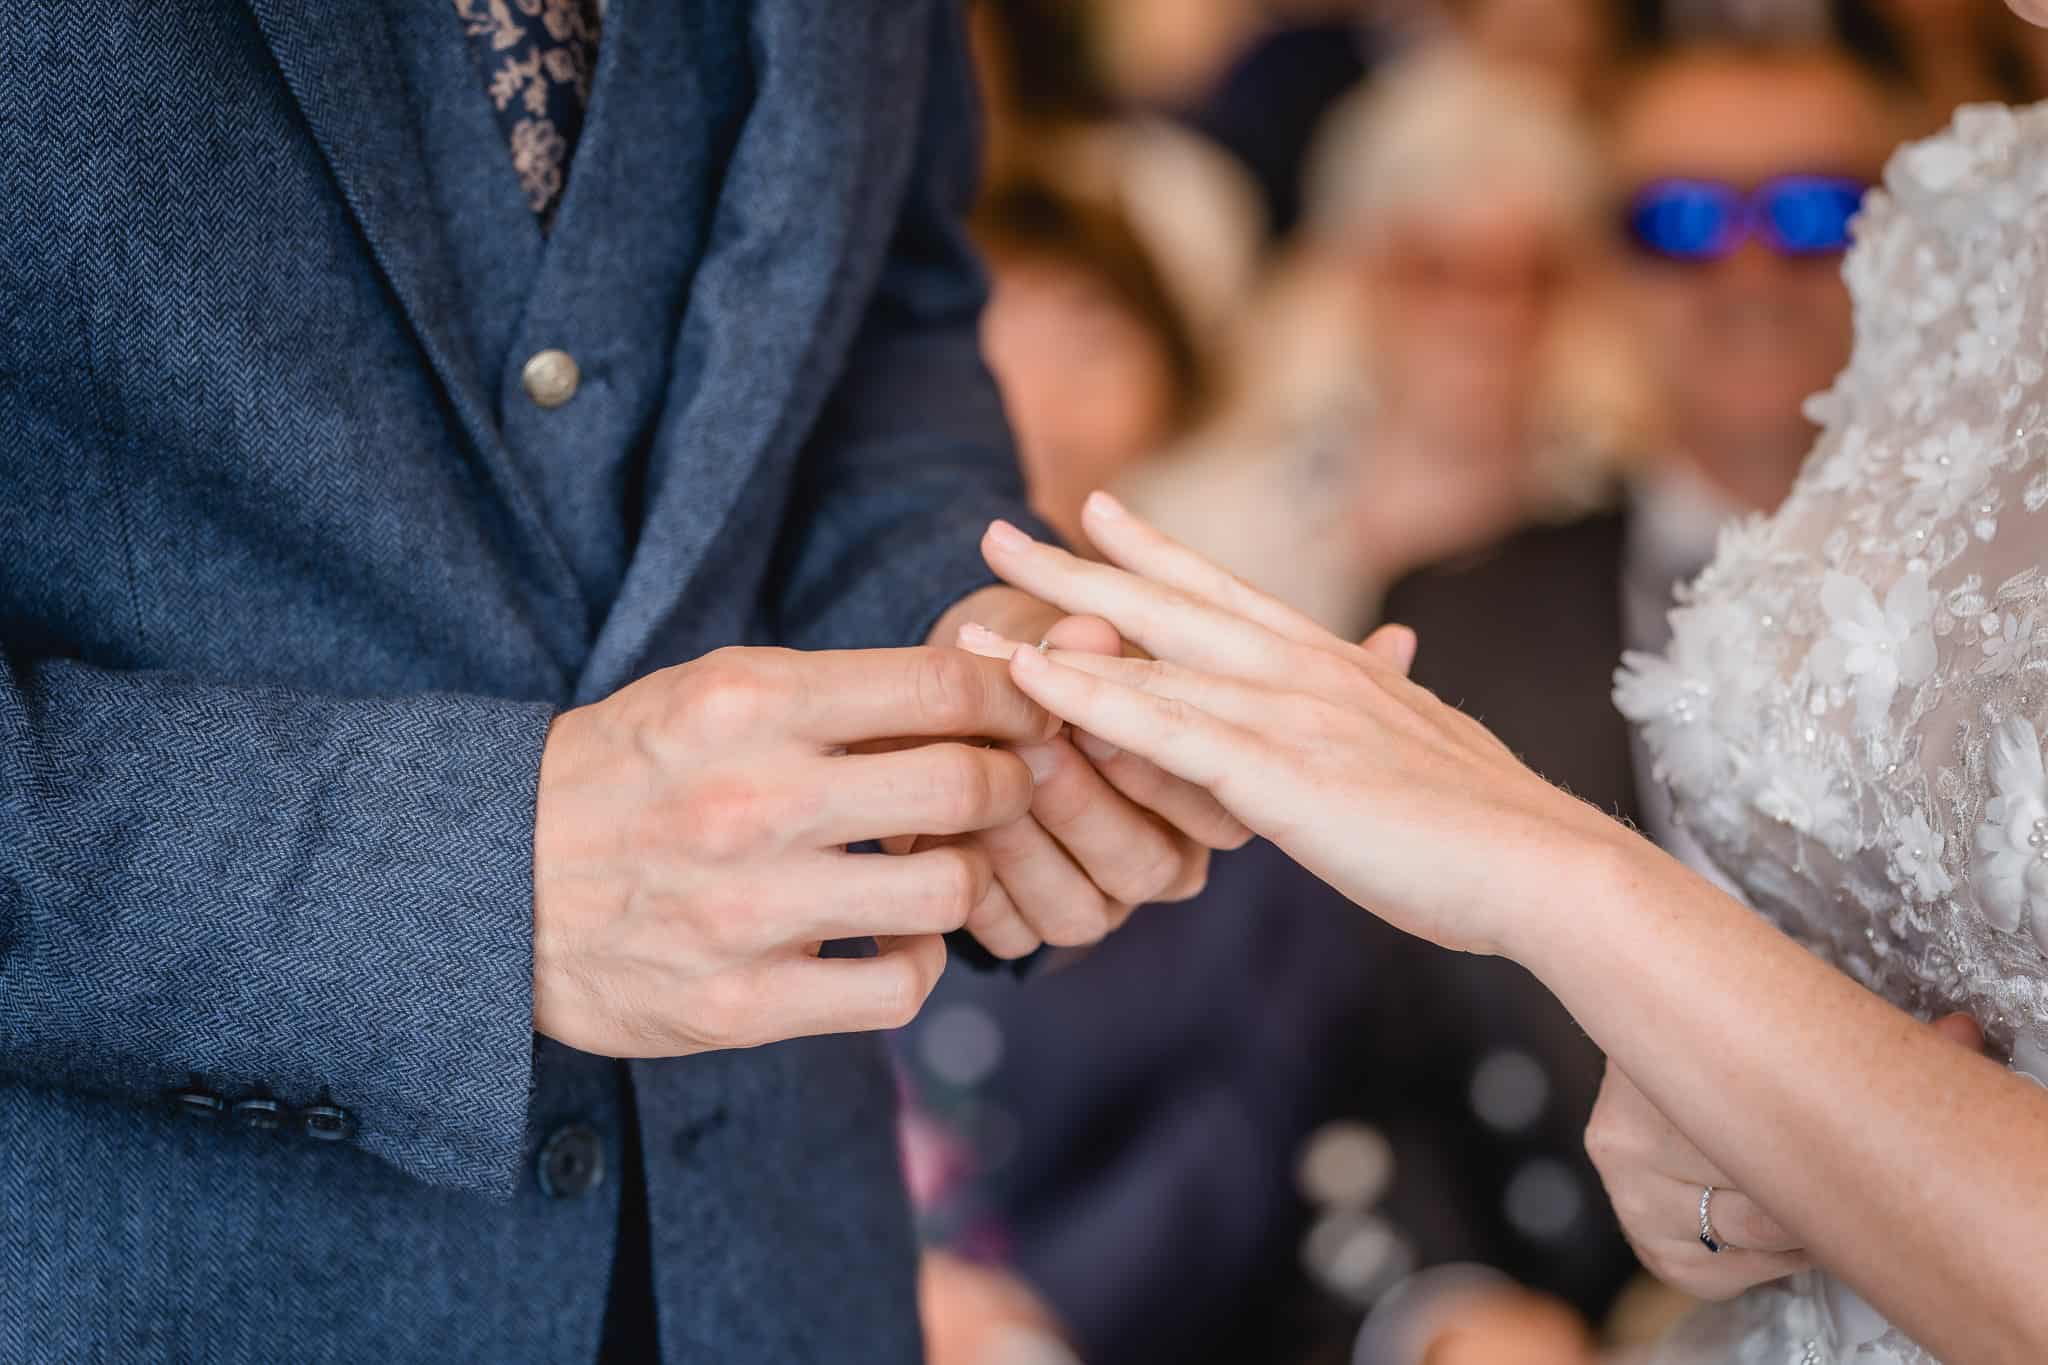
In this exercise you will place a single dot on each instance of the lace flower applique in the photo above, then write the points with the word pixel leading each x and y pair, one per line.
pixel 2011 875
pixel 1873 649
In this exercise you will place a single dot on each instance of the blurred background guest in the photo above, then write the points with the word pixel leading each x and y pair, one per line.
pixel 1401 394
pixel 1097 364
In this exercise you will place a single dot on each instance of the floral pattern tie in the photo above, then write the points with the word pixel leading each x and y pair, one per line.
pixel 537 57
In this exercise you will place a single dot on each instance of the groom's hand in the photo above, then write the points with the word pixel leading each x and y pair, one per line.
pixel 690 833
pixel 1106 831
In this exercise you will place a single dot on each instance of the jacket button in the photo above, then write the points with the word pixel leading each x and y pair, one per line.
pixel 571 1162
pixel 259 1112
pixel 550 378
pixel 326 1122
pixel 198 1104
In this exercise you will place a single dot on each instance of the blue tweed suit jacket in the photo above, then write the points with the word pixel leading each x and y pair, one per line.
pixel 292 579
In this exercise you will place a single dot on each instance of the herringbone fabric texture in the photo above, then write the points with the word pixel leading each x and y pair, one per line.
pixel 291 581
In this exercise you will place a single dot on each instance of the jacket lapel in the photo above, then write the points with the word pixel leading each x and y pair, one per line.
pixel 343 70
pixel 800 229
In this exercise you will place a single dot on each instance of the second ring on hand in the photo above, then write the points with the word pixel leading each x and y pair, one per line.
pixel 1709 1239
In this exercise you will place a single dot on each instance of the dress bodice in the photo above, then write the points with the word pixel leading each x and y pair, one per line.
pixel 1852 711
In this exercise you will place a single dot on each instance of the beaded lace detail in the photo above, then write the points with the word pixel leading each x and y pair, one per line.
pixel 1852 712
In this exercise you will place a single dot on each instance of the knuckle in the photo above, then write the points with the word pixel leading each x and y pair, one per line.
pixel 1191 877
pixel 907 991
pixel 723 1015
pixel 1150 870
pixel 957 885
pixel 966 786
pixel 1084 923
pixel 728 695
pixel 727 929
pixel 948 690
pixel 1603 1142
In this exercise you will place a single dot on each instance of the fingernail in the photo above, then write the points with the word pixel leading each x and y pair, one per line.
pixel 1104 505
pixel 1007 537
pixel 976 638
pixel 1098 750
pixel 1042 759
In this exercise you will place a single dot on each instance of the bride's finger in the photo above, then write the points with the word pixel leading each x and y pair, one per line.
pixel 1223 698
pixel 1739 1222
pixel 1177 736
pixel 1130 542
pixel 1164 622
pixel 1393 646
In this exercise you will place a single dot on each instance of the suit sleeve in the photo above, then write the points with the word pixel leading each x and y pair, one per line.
pixel 249 891
pixel 912 457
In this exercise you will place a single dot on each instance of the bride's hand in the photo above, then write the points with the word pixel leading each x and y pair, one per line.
pixel 1654 1177
pixel 1402 803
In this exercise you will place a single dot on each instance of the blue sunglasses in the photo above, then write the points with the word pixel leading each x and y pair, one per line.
pixel 1705 220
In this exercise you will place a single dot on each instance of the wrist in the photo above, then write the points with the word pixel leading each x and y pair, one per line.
pixel 1594 882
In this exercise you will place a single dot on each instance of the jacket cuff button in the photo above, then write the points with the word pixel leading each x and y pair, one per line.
pixel 326 1122
pixel 260 1113
pixel 196 1103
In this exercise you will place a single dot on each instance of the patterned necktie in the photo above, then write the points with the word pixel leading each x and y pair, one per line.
pixel 537 57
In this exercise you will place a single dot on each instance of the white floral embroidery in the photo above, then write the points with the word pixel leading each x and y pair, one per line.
pixel 1916 854
pixel 1875 649
pixel 1811 800
pixel 2012 842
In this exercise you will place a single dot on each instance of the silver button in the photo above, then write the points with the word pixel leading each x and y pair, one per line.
pixel 550 378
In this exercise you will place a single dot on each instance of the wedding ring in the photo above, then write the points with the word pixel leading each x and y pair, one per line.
pixel 1707 1237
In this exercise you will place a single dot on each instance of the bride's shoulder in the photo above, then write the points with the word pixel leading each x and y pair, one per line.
pixel 1938 429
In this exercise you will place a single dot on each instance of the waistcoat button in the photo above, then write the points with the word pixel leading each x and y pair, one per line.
pixel 550 378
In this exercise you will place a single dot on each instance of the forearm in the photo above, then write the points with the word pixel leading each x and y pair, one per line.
pixel 1910 1168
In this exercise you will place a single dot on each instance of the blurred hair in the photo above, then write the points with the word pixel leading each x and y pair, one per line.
pixel 1788 48
pixel 1441 128
pixel 1048 68
pixel 1029 220
pixel 1859 27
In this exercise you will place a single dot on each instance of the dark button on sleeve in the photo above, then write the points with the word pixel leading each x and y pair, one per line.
pixel 326 1122
pixel 571 1162
pixel 194 1102
pixel 259 1112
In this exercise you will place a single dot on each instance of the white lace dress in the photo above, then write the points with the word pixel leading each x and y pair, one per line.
pixel 1852 712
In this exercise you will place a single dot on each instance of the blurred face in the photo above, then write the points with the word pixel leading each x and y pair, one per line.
pixel 1460 304
pixel 1088 387
pixel 1737 344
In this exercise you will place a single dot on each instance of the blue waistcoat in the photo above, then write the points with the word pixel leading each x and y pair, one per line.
pixel 293 577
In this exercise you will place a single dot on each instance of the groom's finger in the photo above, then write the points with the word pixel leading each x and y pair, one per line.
pixel 1164 622
pixel 1130 542
pixel 1127 853
pixel 1178 736
pixel 1196 814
